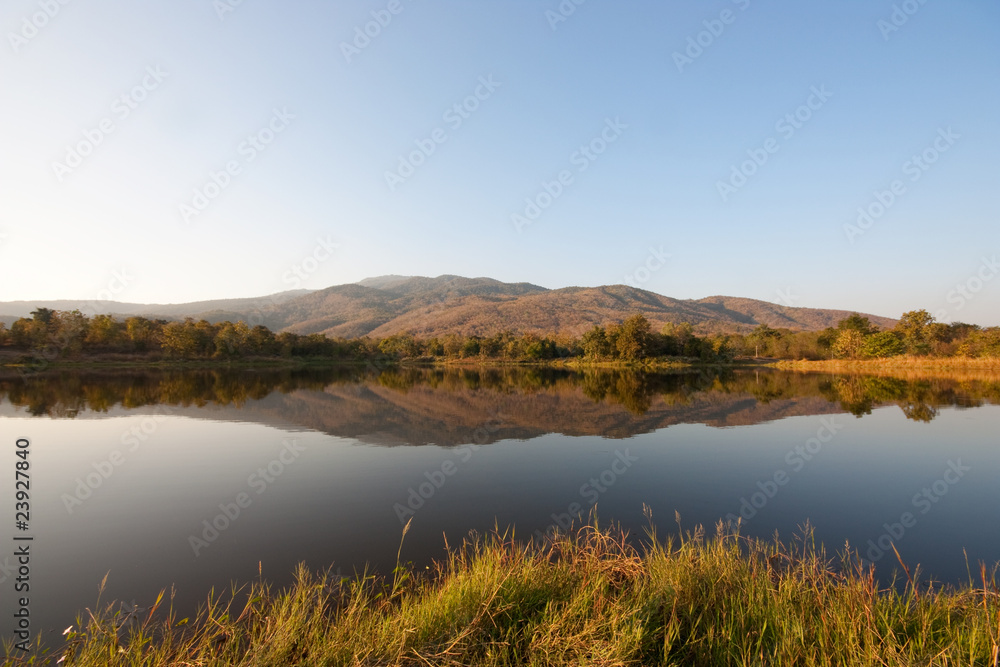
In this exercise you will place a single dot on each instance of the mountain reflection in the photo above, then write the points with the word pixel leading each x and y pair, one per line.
pixel 451 406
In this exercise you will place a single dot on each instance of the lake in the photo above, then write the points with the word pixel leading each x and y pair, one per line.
pixel 196 479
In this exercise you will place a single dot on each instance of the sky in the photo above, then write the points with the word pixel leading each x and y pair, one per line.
pixel 833 153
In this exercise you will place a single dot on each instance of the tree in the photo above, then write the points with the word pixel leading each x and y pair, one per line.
pixel 678 334
pixel 179 339
pixel 43 315
pixel 912 326
pixel 232 339
pixel 139 332
pixel 595 344
pixel 761 337
pixel 470 348
pixel 260 340
pixel 633 337
pixel 849 343
pixel 717 348
pixel 104 332
pixel 858 323
pixel 435 347
pixel 25 333
pixel 882 344
pixel 399 346
pixel 189 339
pixel 826 338
pixel 69 330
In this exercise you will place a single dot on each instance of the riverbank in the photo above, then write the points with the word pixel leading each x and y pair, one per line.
pixel 587 599
pixel 905 368
pixel 919 365
pixel 572 363
pixel 890 362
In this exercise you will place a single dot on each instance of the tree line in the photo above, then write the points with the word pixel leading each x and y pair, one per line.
pixel 51 334
pixel 68 395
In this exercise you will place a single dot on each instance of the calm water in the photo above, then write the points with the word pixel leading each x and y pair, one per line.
pixel 130 471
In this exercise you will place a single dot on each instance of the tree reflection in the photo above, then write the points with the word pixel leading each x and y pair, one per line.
pixel 67 394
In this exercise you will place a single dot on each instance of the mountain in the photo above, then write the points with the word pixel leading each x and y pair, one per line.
pixel 447 304
pixel 481 306
pixel 214 311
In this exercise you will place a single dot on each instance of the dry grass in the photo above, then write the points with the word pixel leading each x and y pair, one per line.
pixel 905 367
pixel 588 598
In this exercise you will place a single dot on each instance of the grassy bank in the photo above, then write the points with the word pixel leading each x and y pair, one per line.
pixel 858 365
pixel 586 599
pixel 909 368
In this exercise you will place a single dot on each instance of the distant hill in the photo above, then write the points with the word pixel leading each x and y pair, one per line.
pixel 427 307
pixel 213 311
pixel 481 306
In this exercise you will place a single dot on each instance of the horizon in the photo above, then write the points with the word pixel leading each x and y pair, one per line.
pixel 105 305
pixel 826 156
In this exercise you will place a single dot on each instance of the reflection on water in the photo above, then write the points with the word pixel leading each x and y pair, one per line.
pixel 432 405
pixel 128 466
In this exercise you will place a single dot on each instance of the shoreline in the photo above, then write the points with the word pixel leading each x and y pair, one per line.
pixel 890 362
pixel 587 597
pixel 894 364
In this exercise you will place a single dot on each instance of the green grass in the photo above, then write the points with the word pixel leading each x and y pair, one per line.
pixel 582 599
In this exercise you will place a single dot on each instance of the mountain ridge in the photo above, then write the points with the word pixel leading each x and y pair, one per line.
pixel 449 304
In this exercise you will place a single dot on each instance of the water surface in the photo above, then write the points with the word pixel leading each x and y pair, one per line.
pixel 139 475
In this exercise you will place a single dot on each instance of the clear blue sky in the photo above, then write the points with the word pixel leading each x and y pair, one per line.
pixel 678 129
